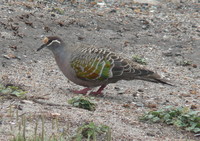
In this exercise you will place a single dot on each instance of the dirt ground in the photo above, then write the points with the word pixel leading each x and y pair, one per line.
pixel 165 34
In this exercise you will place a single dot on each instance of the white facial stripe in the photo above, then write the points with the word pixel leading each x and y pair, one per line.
pixel 54 41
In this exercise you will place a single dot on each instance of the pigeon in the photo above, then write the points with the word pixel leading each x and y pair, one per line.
pixel 91 67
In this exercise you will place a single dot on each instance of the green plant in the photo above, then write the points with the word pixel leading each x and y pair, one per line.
pixel 184 63
pixel 12 90
pixel 23 135
pixel 19 137
pixel 82 102
pixel 139 60
pixel 91 131
pixel 58 10
pixel 181 117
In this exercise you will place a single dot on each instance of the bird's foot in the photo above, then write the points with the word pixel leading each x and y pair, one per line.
pixel 99 91
pixel 83 91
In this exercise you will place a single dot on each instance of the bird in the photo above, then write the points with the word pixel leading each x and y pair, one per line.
pixel 92 67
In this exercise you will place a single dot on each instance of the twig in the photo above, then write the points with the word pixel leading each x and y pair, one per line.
pixel 47 103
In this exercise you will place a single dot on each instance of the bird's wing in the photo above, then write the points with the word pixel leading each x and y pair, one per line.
pixel 90 64
pixel 101 64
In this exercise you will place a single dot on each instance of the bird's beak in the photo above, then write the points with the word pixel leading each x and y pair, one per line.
pixel 43 46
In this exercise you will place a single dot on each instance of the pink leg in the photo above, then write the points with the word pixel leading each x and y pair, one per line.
pixel 99 91
pixel 83 91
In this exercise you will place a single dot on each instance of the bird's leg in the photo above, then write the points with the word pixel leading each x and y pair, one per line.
pixel 83 91
pixel 99 91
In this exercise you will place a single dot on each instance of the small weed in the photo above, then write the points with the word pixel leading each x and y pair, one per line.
pixel 23 135
pixel 180 117
pixel 91 131
pixel 20 137
pixel 58 10
pixel 139 60
pixel 12 90
pixel 82 102
pixel 185 63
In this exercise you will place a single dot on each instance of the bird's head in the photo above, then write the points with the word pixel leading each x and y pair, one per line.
pixel 52 43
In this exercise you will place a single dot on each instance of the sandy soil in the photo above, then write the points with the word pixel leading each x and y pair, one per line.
pixel 163 34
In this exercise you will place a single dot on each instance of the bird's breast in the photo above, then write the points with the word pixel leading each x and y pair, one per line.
pixel 65 66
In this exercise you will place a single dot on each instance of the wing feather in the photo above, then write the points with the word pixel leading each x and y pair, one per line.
pixel 91 64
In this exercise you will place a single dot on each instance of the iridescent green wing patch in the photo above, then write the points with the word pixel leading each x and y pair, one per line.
pixel 92 68
pixel 106 71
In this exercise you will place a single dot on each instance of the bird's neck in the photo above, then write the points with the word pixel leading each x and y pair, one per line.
pixel 61 53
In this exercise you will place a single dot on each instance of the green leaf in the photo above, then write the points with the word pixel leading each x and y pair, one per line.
pixel 156 119
pixel 1 87
pixel 196 130
pixel 90 131
pixel 13 90
pixel 82 102
pixel 6 91
pixel 139 60
pixel 182 117
pixel 19 93
pixel 193 113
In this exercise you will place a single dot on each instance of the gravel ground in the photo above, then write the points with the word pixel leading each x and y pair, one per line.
pixel 164 33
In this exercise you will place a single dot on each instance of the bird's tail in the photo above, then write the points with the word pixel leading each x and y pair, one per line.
pixel 156 79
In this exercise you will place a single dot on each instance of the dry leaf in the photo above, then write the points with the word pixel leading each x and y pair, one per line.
pixel 10 56
pixel 193 92
pixel 137 10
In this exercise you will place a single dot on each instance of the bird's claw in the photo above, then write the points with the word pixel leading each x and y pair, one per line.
pixel 96 93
